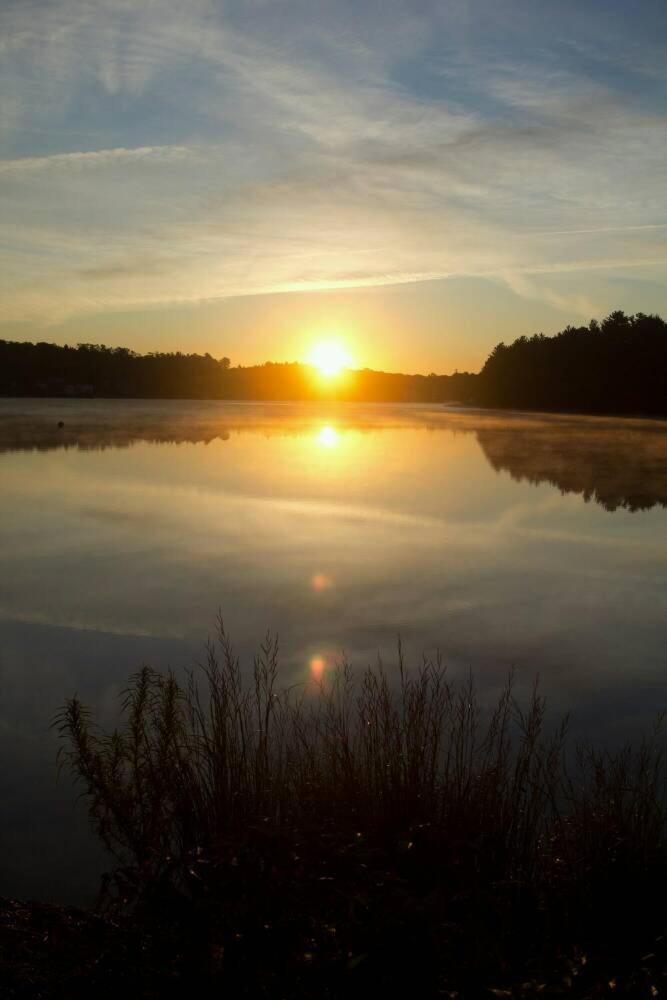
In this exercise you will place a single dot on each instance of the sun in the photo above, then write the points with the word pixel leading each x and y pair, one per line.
pixel 330 357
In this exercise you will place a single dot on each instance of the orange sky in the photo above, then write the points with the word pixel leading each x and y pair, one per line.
pixel 415 327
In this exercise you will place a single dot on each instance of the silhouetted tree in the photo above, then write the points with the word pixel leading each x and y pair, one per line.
pixel 616 366
pixel 97 370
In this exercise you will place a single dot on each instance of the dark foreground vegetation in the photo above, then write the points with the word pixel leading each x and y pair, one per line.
pixel 617 366
pixel 379 834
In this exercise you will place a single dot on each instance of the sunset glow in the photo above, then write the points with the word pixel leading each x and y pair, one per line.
pixel 363 181
pixel 330 357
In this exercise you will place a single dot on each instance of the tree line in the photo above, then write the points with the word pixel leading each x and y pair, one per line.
pixel 617 365
pixel 97 370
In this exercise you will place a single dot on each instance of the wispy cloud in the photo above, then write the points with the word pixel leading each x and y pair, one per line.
pixel 236 151
pixel 97 158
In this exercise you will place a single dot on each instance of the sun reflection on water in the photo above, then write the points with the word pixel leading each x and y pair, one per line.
pixel 317 665
pixel 328 437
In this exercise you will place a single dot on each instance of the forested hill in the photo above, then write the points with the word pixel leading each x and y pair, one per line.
pixel 618 365
pixel 92 370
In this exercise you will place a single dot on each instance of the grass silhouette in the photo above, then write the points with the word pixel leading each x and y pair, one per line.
pixel 379 831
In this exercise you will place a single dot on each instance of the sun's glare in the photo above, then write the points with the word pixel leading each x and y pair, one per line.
pixel 328 437
pixel 330 357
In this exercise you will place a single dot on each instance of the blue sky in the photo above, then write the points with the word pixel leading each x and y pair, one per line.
pixel 421 179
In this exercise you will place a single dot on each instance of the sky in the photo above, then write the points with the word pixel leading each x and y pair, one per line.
pixel 419 180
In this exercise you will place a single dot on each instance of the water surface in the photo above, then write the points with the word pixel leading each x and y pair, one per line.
pixel 504 540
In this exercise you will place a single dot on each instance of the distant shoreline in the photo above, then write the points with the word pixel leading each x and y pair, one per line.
pixel 468 407
pixel 613 367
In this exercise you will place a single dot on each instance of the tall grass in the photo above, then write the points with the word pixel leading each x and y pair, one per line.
pixel 400 773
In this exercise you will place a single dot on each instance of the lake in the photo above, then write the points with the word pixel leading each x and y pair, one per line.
pixel 504 540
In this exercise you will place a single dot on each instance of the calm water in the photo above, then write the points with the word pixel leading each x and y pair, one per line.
pixel 503 540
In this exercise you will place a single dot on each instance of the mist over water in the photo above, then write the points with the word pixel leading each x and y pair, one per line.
pixel 504 540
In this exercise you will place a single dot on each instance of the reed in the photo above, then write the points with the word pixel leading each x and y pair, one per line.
pixel 391 794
